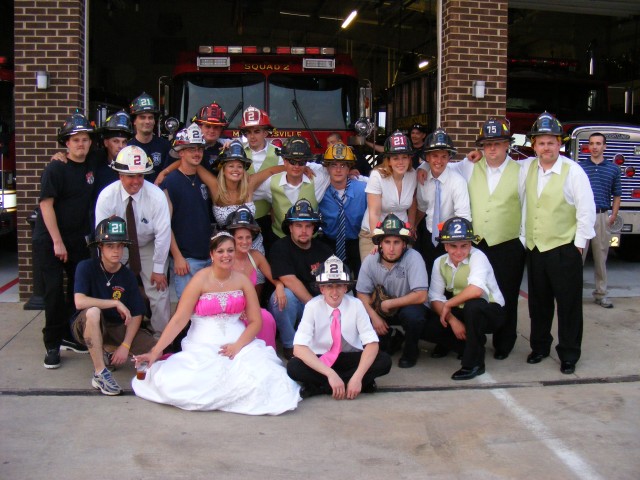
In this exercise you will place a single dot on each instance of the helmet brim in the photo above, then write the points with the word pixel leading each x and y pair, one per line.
pixel 481 140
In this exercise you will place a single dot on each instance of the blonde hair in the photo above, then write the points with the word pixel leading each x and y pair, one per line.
pixel 385 167
pixel 222 198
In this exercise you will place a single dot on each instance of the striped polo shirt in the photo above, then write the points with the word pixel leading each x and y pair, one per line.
pixel 605 181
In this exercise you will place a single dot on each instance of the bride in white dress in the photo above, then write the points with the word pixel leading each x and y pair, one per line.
pixel 222 365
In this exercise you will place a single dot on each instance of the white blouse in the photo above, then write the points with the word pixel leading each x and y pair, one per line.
pixel 391 201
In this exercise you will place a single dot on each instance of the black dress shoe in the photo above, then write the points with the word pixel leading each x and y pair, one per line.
pixel 535 357
pixel 310 391
pixel 371 388
pixel 500 355
pixel 567 367
pixel 439 351
pixel 405 362
pixel 468 373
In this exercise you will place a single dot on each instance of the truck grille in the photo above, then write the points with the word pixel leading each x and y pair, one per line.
pixel 631 159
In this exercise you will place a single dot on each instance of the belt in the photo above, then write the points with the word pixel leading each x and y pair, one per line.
pixel 602 210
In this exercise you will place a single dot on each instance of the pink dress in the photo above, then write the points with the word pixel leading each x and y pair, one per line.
pixel 199 378
pixel 268 330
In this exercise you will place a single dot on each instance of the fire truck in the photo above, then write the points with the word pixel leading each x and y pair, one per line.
pixel 7 150
pixel 308 91
pixel 580 102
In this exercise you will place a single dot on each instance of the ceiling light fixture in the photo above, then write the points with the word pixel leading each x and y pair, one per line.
pixel 349 19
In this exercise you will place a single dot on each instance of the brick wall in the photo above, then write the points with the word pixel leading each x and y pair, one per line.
pixel 49 35
pixel 474 48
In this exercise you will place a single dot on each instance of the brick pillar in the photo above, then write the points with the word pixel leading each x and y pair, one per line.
pixel 474 47
pixel 49 35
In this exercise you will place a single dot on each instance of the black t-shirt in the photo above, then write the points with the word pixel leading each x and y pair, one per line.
pixel 286 258
pixel 105 175
pixel 71 185
pixel 91 280
pixel 210 157
pixel 158 150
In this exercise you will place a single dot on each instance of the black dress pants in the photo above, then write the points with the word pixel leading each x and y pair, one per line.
pixel 555 277
pixel 479 317
pixel 345 366
pixel 507 260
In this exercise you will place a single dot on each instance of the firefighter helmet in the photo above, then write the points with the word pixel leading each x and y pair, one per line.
pixel 397 143
pixel 242 218
pixel 392 226
pixel 132 160
pixel 144 103
pixel 110 230
pixel 211 115
pixel 339 152
pixel 254 117
pixel 439 140
pixel 296 148
pixel 546 124
pixel 301 211
pixel 188 137
pixel 76 123
pixel 457 229
pixel 117 125
pixel 494 129
pixel 333 272
pixel 233 151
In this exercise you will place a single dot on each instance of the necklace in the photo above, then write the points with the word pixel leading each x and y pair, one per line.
pixel 221 284
pixel 104 272
pixel 190 178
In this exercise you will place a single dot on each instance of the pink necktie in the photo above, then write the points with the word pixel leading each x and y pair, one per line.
pixel 330 357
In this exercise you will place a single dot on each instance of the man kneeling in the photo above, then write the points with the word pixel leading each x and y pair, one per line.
pixel 465 295
pixel 109 305
pixel 335 343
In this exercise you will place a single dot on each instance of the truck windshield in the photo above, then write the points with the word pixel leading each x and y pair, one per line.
pixel 327 102
pixel 228 90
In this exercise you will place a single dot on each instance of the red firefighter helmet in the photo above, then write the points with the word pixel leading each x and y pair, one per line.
pixel 254 117
pixel 211 115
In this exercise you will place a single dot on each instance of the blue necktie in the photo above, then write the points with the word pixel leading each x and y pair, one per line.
pixel 341 236
pixel 436 214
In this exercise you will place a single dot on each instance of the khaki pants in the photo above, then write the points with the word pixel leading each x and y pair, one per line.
pixel 600 249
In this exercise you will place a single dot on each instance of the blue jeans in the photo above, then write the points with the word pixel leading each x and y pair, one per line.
pixel 286 319
pixel 195 266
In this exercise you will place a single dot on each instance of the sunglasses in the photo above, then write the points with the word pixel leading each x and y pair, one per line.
pixel 297 163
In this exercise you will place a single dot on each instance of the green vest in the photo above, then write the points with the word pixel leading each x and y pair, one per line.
pixel 271 160
pixel 551 221
pixel 281 203
pixel 496 216
pixel 459 279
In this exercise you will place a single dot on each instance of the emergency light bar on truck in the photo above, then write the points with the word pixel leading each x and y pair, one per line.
pixel 225 62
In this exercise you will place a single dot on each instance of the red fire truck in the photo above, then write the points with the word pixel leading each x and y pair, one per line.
pixel 7 150
pixel 309 91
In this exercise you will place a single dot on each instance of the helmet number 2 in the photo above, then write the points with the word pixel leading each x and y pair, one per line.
pixel 137 160
pixel 457 229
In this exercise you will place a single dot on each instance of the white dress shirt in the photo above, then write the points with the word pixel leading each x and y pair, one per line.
pixel 480 275
pixel 465 168
pixel 391 202
pixel 577 192
pixel 314 330
pixel 454 197
pixel 320 184
pixel 151 211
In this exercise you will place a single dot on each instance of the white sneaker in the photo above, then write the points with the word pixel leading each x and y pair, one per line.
pixel 604 302
pixel 104 382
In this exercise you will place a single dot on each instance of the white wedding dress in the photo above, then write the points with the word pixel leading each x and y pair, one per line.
pixel 199 378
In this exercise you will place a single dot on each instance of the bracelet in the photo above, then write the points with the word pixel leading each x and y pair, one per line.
pixel 125 345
